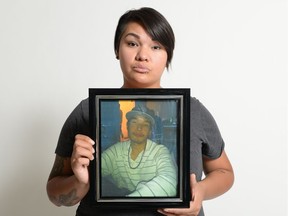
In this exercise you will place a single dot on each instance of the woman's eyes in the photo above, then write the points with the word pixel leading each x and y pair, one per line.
pixel 156 47
pixel 134 44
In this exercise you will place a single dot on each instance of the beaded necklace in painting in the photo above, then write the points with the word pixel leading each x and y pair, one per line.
pixel 139 161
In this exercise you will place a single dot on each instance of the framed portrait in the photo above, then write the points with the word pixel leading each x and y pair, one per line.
pixel 142 147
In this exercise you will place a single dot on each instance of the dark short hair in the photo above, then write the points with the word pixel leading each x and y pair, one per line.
pixel 154 23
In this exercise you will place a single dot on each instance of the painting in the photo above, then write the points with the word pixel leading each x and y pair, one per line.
pixel 142 147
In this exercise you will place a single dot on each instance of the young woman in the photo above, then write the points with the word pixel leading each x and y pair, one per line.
pixel 144 44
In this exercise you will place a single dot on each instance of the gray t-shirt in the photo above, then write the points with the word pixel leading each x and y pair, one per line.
pixel 205 140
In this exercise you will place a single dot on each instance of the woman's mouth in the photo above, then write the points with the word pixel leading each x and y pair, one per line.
pixel 141 69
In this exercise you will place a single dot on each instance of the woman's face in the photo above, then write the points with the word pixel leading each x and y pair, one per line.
pixel 142 60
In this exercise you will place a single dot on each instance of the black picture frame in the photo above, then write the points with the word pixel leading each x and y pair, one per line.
pixel 170 109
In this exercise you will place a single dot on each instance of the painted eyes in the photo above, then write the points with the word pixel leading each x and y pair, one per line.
pixel 136 124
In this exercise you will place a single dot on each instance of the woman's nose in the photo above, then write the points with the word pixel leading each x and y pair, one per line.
pixel 142 54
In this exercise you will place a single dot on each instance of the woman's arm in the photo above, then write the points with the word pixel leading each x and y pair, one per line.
pixel 68 182
pixel 62 187
pixel 219 176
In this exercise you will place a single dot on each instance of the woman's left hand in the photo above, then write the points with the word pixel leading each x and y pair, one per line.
pixel 195 204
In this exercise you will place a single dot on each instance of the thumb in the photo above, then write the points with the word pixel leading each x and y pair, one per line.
pixel 193 182
pixel 193 179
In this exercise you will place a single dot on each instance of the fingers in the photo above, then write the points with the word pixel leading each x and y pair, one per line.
pixel 177 212
pixel 166 213
pixel 83 147
pixel 80 162
pixel 191 211
pixel 83 153
pixel 84 138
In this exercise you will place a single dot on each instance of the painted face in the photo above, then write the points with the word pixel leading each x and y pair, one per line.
pixel 142 60
pixel 139 129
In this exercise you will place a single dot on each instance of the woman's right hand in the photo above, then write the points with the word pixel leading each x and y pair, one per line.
pixel 83 153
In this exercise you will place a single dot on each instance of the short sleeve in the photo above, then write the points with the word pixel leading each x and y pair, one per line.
pixel 205 130
pixel 76 123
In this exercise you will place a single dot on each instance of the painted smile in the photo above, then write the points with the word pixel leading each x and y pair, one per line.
pixel 138 134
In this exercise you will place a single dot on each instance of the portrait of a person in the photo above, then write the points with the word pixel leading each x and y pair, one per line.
pixel 138 167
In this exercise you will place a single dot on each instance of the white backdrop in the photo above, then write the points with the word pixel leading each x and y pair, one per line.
pixel 233 55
